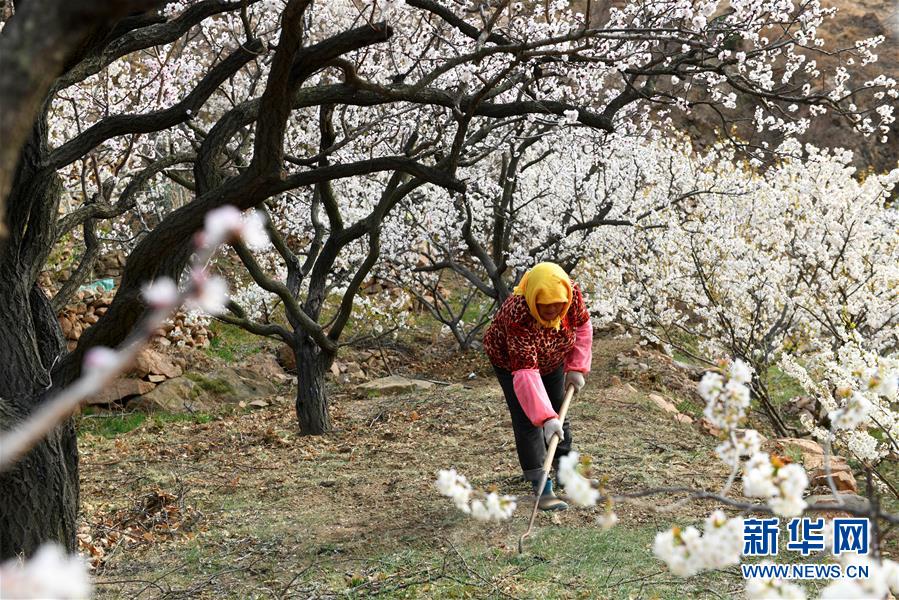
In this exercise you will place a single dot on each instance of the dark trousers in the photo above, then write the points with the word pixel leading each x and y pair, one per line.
pixel 529 439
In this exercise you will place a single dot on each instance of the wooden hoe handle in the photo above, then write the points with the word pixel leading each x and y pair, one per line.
pixel 547 465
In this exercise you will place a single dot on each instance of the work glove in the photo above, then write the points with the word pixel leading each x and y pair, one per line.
pixel 575 378
pixel 550 428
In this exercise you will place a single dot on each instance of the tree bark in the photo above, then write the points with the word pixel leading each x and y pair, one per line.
pixel 312 401
pixel 39 495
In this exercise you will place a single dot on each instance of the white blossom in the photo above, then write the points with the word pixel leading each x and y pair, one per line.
pixel 212 293
pixel 455 486
pixel 607 520
pixel 781 484
pixel 577 487
pixel 50 573
pixel 161 293
pixel 772 588
pixel 493 508
pixel 100 359
pixel 688 552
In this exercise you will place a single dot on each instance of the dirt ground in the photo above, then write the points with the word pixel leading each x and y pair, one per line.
pixel 236 504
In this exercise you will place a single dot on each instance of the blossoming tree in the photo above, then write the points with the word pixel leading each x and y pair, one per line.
pixel 799 258
pixel 262 99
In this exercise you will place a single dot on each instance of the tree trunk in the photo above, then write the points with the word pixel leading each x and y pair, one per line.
pixel 39 495
pixel 312 402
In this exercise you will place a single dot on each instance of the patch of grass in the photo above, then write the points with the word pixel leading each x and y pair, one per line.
pixel 559 562
pixel 609 564
pixel 794 454
pixel 690 407
pixel 113 425
pixel 890 471
pixel 231 343
pixel 782 387
pixel 110 426
pixel 353 515
pixel 686 359
pixel 212 385
pixel 194 417
pixel 193 554
pixel 690 343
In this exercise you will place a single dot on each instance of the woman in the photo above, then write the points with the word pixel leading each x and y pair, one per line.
pixel 540 343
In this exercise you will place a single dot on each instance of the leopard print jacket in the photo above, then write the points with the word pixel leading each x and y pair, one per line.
pixel 515 340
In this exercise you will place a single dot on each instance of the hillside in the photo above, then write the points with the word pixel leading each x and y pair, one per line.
pixel 231 502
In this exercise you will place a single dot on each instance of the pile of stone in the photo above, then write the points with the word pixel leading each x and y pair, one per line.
pixel 84 310
pixel 87 306
pixel 652 367
pixel 150 368
pixel 667 406
pixel 353 366
pixel 157 382
pixel 184 329
pixel 110 264
pixel 810 455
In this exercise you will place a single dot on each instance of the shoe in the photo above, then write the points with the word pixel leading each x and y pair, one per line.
pixel 548 500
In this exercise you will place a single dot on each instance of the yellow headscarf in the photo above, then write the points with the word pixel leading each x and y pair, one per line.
pixel 545 283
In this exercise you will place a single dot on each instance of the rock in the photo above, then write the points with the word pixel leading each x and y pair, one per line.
pixel 150 362
pixel 664 404
pixel 258 404
pixel 173 395
pixel 65 323
pixel 612 329
pixel 843 480
pixel 614 381
pixel 355 372
pixel 849 500
pixel 155 378
pixel 707 427
pixel 395 384
pixel 625 361
pixel 682 418
pixel 335 368
pixel 842 476
pixel 121 390
pixel 813 461
pixel 816 463
pixel 234 384
pixel 267 365
pixel 287 359
pixel 691 371
pixel 812 454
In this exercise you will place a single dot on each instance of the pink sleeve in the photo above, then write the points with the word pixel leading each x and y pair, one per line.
pixel 532 396
pixel 581 355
